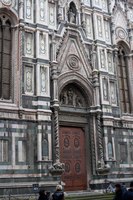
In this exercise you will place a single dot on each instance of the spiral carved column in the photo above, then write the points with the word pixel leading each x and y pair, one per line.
pixel 100 139
pixel 56 136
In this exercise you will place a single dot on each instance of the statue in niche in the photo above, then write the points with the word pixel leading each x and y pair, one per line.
pixel 102 55
pixel 70 96
pixel 71 16
pixel 78 101
pixel 72 13
pixel 94 56
pixel 110 150
pixel 105 90
pixel 64 98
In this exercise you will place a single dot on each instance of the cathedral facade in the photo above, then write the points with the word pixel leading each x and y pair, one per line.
pixel 66 93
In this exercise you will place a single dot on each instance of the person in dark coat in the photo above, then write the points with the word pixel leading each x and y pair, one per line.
pixel 129 194
pixel 42 195
pixel 58 194
pixel 118 192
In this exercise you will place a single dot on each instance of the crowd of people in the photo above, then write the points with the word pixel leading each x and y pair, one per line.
pixel 57 195
pixel 121 193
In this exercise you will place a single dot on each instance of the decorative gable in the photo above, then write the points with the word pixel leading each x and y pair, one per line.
pixel 72 56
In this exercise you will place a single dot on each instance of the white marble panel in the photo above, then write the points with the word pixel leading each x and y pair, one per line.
pixel 28 80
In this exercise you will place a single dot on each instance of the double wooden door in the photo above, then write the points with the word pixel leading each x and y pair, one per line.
pixel 72 153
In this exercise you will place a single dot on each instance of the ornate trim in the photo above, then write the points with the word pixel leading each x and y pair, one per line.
pixel 7 2
pixel 73 62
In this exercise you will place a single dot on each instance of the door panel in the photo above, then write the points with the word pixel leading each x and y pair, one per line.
pixel 72 152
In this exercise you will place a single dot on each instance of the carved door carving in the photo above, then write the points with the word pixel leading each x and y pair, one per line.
pixel 72 152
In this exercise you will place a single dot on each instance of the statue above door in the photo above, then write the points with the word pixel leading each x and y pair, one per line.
pixel 72 96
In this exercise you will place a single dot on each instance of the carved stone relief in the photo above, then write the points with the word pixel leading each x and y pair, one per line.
pixel 113 92
pixel 104 5
pixel 121 33
pixel 52 15
pixel 28 79
pixel 42 4
pixel 29 44
pixel 87 2
pixel 28 9
pixel 88 25
pixel 73 62
pixel 42 44
pixel 71 96
pixel 102 58
pixel 130 14
pixel 7 2
pixel 99 26
pixel 107 30
pixel 43 80
pixel 97 2
pixel 105 89
pixel 110 62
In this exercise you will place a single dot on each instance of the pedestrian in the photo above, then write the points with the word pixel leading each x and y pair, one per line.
pixel 43 195
pixel 129 194
pixel 118 192
pixel 58 194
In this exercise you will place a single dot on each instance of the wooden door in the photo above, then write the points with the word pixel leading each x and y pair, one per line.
pixel 72 152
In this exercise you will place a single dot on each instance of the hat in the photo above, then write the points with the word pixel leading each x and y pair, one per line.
pixel 131 184
pixel 59 187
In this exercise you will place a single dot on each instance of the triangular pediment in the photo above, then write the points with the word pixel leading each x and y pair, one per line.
pixel 72 56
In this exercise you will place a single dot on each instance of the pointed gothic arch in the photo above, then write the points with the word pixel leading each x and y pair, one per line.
pixel 123 78
pixel 8 35
pixel 81 83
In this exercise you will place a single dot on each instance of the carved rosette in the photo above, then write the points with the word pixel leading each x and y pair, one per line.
pixel 121 33
pixel 73 62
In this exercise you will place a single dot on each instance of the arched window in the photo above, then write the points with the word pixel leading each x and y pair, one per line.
pixel 5 57
pixel 123 81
